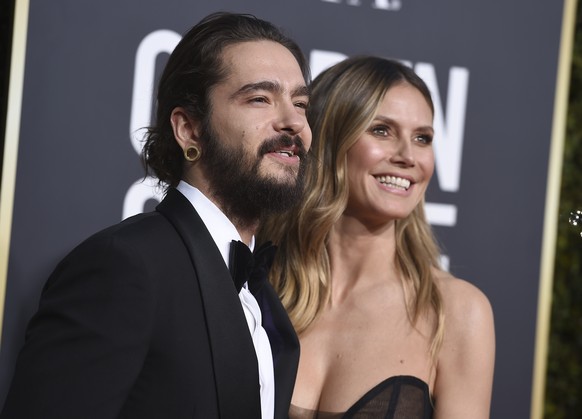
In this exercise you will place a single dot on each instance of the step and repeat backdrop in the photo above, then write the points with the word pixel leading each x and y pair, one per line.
pixel 492 68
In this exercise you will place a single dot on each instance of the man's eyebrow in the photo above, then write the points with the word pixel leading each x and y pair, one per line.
pixel 260 85
pixel 269 86
pixel 300 91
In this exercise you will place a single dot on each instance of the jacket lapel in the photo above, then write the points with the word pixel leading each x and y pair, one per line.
pixel 233 355
pixel 284 346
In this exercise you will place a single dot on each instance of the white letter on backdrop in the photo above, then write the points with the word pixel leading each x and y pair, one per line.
pixel 320 60
pixel 448 145
pixel 154 44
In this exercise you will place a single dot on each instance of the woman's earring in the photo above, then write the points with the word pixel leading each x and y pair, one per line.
pixel 192 153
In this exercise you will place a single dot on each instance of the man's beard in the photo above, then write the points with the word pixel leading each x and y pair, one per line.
pixel 242 192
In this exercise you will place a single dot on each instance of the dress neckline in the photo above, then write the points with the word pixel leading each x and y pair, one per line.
pixel 404 379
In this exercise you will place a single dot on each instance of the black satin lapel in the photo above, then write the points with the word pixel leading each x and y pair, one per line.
pixel 284 346
pixel 234 357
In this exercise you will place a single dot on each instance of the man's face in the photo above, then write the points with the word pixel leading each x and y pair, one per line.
pixel 254 148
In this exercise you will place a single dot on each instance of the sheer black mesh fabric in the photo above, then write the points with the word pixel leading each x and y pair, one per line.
pixel 401 397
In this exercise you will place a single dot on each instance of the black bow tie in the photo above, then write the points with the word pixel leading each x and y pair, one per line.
pixel 251 267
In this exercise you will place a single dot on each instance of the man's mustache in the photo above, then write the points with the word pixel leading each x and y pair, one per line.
pixel 282 141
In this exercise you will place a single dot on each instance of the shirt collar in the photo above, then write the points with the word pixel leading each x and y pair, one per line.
pixel 218 225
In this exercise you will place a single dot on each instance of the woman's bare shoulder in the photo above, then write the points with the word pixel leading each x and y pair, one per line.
pixel 466 360
pixel 464 304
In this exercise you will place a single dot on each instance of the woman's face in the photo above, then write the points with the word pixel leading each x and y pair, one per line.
pixel 390 165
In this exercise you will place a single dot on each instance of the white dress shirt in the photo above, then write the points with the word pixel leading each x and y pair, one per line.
pixel 223 232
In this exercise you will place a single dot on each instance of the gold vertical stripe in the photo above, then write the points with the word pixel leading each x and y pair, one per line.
pixel 15 88
pixel 550 230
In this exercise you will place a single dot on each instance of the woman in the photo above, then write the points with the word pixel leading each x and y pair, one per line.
pixel 384 331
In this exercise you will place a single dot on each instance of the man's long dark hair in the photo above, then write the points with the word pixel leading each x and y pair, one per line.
pixel 194 67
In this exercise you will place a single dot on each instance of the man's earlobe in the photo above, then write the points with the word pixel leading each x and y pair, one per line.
pixel 186 130
pixel 192 153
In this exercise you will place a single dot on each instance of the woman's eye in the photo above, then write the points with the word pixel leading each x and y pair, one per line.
pixel 424 139
pixel 380 130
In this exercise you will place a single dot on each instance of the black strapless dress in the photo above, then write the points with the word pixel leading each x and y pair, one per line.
pixel 400 397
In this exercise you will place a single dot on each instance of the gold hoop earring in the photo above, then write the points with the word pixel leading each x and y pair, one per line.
pixel 192 153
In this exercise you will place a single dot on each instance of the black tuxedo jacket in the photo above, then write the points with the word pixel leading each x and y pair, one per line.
pixel 142 320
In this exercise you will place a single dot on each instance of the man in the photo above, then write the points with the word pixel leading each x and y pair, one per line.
pixel 143 320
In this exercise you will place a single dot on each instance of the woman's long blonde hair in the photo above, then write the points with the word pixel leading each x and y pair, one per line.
pixel 344 100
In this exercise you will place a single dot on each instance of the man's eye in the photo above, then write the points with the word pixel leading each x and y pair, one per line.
pixel 302 105
pixel 259 99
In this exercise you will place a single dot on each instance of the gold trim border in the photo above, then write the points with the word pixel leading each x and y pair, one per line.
pixel 550 229
pixel 12 134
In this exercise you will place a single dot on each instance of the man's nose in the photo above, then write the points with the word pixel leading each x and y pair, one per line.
pixel 290 119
